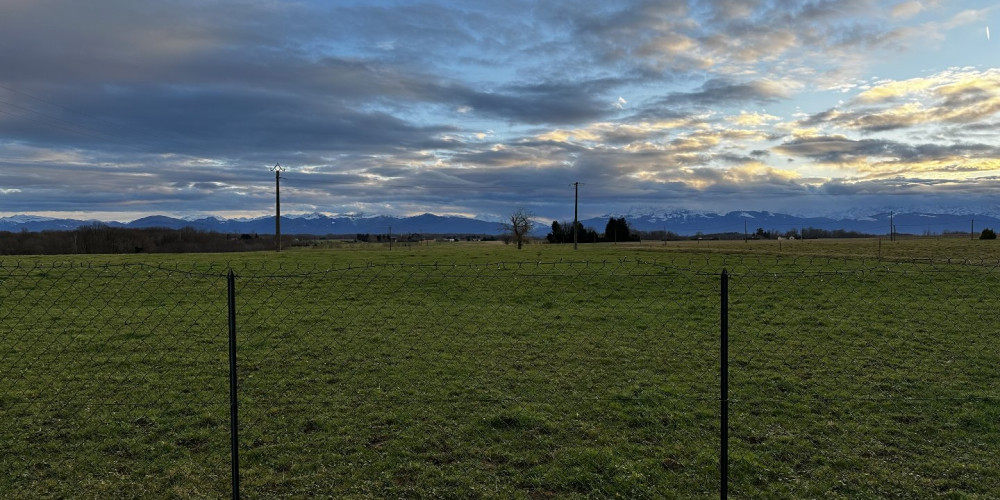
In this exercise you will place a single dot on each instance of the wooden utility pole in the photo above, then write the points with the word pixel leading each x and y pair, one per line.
pixel 576 205
pixel 277 169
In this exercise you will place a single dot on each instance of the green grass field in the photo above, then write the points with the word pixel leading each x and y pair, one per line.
pixel 858 369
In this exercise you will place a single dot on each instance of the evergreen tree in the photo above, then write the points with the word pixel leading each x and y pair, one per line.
pixel 617 230
pixel 558 234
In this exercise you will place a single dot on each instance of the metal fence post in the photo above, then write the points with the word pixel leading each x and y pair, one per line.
pixel 234 438
pixel 724 390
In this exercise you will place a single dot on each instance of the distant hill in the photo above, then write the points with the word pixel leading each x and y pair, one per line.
pixel 683 222
pixel 686 222
pixel 317 224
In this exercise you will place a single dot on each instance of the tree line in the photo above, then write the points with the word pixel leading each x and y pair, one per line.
pixel 102 239
pixel 617 229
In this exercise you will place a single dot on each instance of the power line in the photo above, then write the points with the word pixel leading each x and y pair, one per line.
pixel 126 142
pixel 120 140
pixel 67 126
pixel 56 119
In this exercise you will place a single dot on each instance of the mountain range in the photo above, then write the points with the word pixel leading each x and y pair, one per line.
pixel 682 222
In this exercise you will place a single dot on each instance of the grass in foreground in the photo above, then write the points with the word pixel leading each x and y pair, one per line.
pixel 502 380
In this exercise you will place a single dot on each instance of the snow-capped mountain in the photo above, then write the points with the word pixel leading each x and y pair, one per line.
pixel 687 222
pixel 36 223
pixel 683 222
pixel 315 223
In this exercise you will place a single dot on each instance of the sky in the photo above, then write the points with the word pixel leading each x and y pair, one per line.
pixel 117 109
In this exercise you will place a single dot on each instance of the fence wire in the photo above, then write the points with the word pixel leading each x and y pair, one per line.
pixel 110 376
pixel 852 379
pixel 494 380
pixel 847 379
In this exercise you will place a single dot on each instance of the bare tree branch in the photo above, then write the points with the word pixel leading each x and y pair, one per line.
pixel 519 225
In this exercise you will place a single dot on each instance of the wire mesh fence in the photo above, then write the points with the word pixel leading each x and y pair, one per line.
pixel 491 380
pixel 111 375
pixel 854 379
pixel 551 379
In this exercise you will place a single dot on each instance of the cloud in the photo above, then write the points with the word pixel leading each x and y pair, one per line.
pixel 717 92
pixel 904 10
pixel 754 119
pixel 744 178
pixel 950 97
pixel 880 157
pixel 903 185
pixel 542 103
pixel 120 105
pixel 937 31
pixel 723 11
pixel 620 133
pixel 227 123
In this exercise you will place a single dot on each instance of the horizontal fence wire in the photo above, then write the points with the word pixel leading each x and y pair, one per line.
pixel 847 378
pixel 110 376
pixel 498 380
pixel 864 379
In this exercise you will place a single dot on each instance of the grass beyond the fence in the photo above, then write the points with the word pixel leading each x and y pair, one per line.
pixel 548 373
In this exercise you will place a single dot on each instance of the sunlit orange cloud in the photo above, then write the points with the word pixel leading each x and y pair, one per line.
pixel 943 168
pixel 561 135
pixel 940 85
pixel 734 134
pixel 603 131
pixel 894 90
pixel 797 131
pixel 756 172
pixel 955 168
pixel 985 83
pixel 910 114
pixel 747 119
pixel 707 177
pixel 694 143
pixel 957 96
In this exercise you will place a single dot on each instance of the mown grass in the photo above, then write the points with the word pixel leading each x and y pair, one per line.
pixel 476 371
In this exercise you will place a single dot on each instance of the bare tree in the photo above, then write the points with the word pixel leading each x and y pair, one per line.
pixel 518 225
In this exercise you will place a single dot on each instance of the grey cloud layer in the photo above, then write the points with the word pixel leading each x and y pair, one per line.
pixel 177 106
